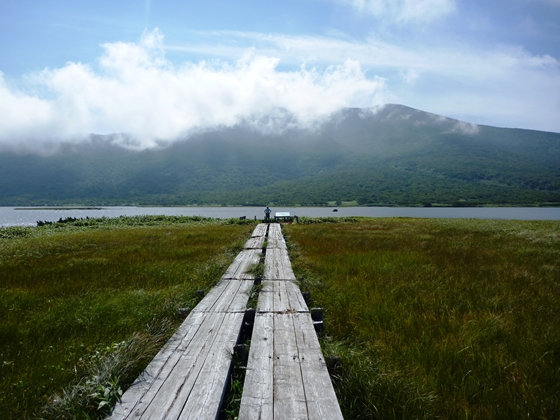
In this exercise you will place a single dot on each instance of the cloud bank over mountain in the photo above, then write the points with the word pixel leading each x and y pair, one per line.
pixel 134 89
pixel 74 68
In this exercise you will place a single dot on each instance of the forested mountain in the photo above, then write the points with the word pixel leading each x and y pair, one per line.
pixel 393 156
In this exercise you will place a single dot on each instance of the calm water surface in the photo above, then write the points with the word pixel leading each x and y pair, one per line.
pixel 12 216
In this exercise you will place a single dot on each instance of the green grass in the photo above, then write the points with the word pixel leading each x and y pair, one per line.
pixel 85 302
pixel 452 319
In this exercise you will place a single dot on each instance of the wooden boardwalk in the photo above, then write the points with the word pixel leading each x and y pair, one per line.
pixel 286 375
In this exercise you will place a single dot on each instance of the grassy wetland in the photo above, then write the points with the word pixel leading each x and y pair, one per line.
pixel 452 319
pixel 85 305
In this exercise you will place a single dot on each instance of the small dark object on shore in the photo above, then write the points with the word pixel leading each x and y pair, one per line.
pixel 183 311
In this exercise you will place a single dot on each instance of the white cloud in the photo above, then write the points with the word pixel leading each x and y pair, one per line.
pixel 494 84
pixel 403 11
pixel 135 90
pixel 20 110
pixel 462 127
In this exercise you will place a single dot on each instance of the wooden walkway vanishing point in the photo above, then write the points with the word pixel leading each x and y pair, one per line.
pixel 286 376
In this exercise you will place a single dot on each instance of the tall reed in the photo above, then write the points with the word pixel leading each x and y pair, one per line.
pixel 454 319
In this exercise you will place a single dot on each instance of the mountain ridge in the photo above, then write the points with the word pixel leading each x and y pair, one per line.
pixel 395 155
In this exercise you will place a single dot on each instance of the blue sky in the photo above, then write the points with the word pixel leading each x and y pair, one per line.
pixel 159 69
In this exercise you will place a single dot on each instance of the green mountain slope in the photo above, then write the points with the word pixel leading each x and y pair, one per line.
pixel 396 156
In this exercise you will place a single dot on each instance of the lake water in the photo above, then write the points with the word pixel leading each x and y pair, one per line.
pixel 12 216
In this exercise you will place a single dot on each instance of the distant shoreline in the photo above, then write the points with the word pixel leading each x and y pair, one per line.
pixel 58 208
pixel 295 206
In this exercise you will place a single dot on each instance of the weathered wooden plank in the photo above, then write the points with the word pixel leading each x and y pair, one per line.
pixel 226 296
pixel 280 296
pixel 301 383
pixel 319 393
pixel 276 243
pixel 289 393
pixel 296 301
pixel 210 299
pixel 204 400
pixel 211 344
pixel 281 301
pixel 170 395
pixel 257 401
pixel 275 238
pixel 277 265
pixel 136 398
pixel 275 231
pixel 239 301
pixel 266 297
pixel 256 242
pixel 260 229
pixel 242 263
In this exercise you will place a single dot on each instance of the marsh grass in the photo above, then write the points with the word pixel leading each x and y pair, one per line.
pixel 71 295
pixel 453 319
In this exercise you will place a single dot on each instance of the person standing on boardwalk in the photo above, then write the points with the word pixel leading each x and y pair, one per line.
pixel 267 212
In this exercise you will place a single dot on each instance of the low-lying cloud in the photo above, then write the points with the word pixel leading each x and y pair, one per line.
pixel 134 89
